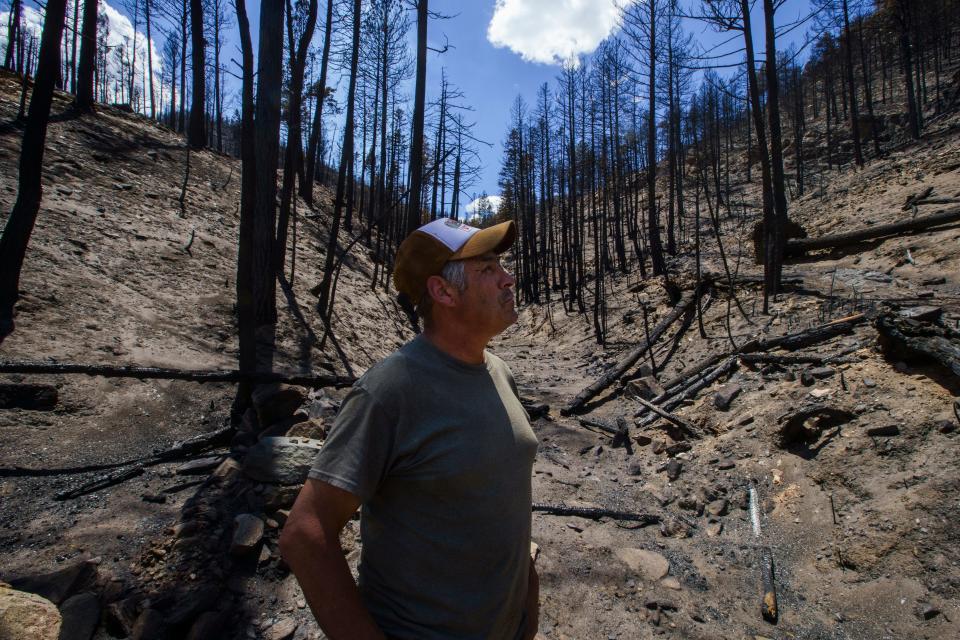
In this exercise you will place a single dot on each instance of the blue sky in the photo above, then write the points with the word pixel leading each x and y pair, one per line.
pixel 529 33
pixel 502 48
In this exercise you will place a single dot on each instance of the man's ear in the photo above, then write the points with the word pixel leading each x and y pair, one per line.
pixel 441 291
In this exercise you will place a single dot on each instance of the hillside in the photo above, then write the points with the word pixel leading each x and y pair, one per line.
pixel 857 505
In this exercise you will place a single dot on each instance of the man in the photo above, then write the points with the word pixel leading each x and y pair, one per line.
pixel 435 447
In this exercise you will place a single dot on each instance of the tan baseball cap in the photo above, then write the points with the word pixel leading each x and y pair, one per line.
pixel 424 252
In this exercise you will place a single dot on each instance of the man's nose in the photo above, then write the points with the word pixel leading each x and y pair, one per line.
pixel 506 279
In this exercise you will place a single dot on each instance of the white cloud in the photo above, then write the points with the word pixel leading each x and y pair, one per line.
pixel 493 200
pixel 120 33
pixel 553 31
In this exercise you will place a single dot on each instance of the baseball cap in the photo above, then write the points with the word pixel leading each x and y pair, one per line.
pixel 424 252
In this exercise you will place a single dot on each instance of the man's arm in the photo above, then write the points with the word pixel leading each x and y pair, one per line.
pixel 310 544
pixel 532 606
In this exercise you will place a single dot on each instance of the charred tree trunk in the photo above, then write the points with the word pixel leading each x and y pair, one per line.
pixel 19 227
pixel 306 189
pixel 197 134
pixel 416 142
pixel 83 102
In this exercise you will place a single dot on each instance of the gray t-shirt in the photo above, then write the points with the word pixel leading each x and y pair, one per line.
pixel 440 452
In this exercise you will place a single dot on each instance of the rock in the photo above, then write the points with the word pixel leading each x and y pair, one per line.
pixel 690 503
pixel 58 585
pixel 209 626
pixel 199 466
pixel 928 611
pixel 671 582
pixel 642 440
pixel 191 603
pixel 664 496
pixel 81 615
pixel 932 282
pixel 726 463
pixel 956 408
pixel 27 615
pixel 946 426
pixel 885 432
pixel 155 498
pixel 714 528
pixel 121 616
pixel 924 313
pixel 227 469
pixel 247 533
pixel 635 468
pixel 150 625
pixel 822 372
pixel 869 383
pixel 37 397
pixel 821 393
pixel 646 387
pixel 658 446
pixel 717 507
pixel 674 528
pixel 806 378
pixel 281 516
pixel 281 630
pixel 312 428
pixel 281 460
pixel 282 427
pixel 277 497
pixel 673 469
pixel 650 564
pixel 274 402
pixel 677 447
pixel 725 395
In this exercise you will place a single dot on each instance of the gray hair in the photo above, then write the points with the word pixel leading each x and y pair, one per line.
pixel 454 273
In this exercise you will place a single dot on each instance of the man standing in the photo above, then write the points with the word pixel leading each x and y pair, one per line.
pixel 435 448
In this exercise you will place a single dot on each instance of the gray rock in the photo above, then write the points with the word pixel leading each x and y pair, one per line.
pixel 281 460
pixel 806 378
pixel 725 395
pixel 822 372
pixel 247 533
pixel 869 383
pixel 726 463
pixel 27 615
pixel 635 468
pixel 81 615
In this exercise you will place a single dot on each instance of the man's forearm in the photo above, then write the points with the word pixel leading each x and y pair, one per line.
pixel 329 588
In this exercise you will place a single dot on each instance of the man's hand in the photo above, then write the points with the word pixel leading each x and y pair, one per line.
pixel 532 606
pixel 310 544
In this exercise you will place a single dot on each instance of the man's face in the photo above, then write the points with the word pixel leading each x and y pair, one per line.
pixel 487 302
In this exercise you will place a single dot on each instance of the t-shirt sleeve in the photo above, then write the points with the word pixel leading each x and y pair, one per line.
pixel 358 452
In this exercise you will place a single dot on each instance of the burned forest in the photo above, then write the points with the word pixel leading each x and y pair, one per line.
pixel 737 269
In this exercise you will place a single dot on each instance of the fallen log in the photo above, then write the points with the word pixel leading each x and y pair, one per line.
pixel 188 447
pixel 769 606
pixel 684 306
pixel 799 246
pixel 936 201
pixel 594 513
pixel 194 375
pixel 915 340
pixel 914 198
pixel 691 390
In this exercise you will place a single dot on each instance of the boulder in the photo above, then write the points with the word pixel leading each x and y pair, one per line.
pixel 281 460
pixel 274 402
pixel 81 615
pixel 27 615
pixel 281 630
pixel 150 625
pixel 247 534
pixel 56 586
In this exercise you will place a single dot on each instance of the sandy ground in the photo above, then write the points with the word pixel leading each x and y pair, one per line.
pixel 861 528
